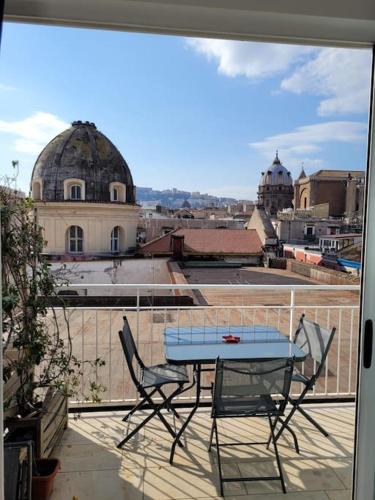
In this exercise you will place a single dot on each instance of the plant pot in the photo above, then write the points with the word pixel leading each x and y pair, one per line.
pixel 42 484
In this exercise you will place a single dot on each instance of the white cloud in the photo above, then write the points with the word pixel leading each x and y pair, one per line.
pixel 4 87
pixel 304 143
pixel 341 75
pixel 34 132
pixel 251 59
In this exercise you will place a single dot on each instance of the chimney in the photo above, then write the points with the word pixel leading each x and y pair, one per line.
pixel 177 244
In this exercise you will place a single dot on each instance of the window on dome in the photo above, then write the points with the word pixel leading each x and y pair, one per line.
pixel 75 192
pixel 117 191
pixel 37 190
pixel 115 239
pixel 75 239
pixel 74 189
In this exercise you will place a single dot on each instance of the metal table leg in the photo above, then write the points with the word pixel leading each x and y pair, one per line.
pixel 197 374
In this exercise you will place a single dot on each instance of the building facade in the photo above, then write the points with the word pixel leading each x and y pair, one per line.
pixel 275 191
pixel 84 195
pixel 329 186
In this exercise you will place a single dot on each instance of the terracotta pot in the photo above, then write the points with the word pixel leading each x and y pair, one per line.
pixel 42 485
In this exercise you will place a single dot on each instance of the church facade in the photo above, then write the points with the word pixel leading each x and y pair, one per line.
pixel 342 191
pixel 275 191
pixel 84 196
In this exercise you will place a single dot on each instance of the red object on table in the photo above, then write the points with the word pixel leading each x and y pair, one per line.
pixel 231 339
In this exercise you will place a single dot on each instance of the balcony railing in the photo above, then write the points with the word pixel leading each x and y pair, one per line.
pixel 94 330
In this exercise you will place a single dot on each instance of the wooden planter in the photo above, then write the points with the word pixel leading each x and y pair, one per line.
pixel 10 388
pixel 45 427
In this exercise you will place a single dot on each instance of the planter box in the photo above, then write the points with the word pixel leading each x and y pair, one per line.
pixel 10 388
pixel 46 427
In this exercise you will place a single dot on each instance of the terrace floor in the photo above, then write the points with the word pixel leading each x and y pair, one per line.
pixel 92 467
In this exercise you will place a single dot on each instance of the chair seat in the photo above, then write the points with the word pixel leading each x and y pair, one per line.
pixel 245 406
pixel 158 375
pixel 298 377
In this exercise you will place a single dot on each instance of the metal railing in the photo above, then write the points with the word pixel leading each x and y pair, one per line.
pixel 94 329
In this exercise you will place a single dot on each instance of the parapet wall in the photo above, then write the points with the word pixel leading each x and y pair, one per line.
pixel 323 275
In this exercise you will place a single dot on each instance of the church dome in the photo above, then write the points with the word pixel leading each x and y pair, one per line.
pixel 83 153
pixel 276 175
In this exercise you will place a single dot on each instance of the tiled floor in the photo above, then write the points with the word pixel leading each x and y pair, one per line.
pixel 92 467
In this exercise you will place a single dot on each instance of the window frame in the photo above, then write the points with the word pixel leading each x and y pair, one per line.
pixel 78 189
pixel 115 239
pixel 75 240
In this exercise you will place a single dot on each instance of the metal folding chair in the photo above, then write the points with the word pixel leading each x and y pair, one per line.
pixel 245 389
pixel 150 383
pixel 315 341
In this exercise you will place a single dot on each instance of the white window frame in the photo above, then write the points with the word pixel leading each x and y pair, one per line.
pixel 121 192
pixel 69 183
pixel 115 239
pixel 76 239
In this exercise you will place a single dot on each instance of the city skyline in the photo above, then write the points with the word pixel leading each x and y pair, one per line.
pixel 199 115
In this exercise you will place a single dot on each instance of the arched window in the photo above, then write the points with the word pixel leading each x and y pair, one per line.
pixel 74 189
pixel 75 192
pixel 117 192
pixel 115 239
pixel 75 239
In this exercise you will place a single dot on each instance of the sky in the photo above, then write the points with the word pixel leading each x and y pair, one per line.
pixel 196 114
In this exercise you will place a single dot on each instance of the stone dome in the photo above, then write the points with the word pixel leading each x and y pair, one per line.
pixel 276 175
pixel 82 152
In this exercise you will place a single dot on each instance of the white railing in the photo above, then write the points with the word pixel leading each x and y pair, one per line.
pixel 94 329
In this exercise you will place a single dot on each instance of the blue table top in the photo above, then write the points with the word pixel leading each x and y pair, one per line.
pixel 205 344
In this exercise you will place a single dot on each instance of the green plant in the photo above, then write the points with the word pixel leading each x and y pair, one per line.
pixel 37 344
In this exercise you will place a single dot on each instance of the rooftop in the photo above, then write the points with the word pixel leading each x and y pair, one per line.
pixel 209 242
pixel 92 467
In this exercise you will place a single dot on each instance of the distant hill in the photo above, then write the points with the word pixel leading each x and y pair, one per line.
pixel 174 198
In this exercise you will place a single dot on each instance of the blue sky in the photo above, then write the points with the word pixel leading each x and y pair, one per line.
pixel 201 115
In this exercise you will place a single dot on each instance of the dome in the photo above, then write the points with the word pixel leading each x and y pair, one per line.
pixel 276 175
pixel 82 152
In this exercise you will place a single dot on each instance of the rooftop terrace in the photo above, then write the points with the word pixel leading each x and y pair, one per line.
pixel 92 467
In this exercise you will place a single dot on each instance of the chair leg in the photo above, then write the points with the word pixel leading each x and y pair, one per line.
pixel 218 456
pixel 287 420
pixel 272 427
pixel 312 421
pixel 134 409
pixel 270 437
pixel 164 404
pixel 289 429
pixel 293 434
pixel 211 435
pixel 170 406
pixel 156 411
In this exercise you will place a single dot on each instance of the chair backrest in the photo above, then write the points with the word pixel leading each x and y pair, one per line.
pixel 130 350
pixel 315 342
pixel 241 385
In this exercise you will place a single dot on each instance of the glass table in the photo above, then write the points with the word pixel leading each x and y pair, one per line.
pixel 202 345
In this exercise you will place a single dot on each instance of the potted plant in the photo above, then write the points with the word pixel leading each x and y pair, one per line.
pixel 44 474
pixel 40 370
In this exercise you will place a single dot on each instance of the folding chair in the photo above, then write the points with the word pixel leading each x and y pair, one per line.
pixel 315 341
pixel 151 381
pixel 245 389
